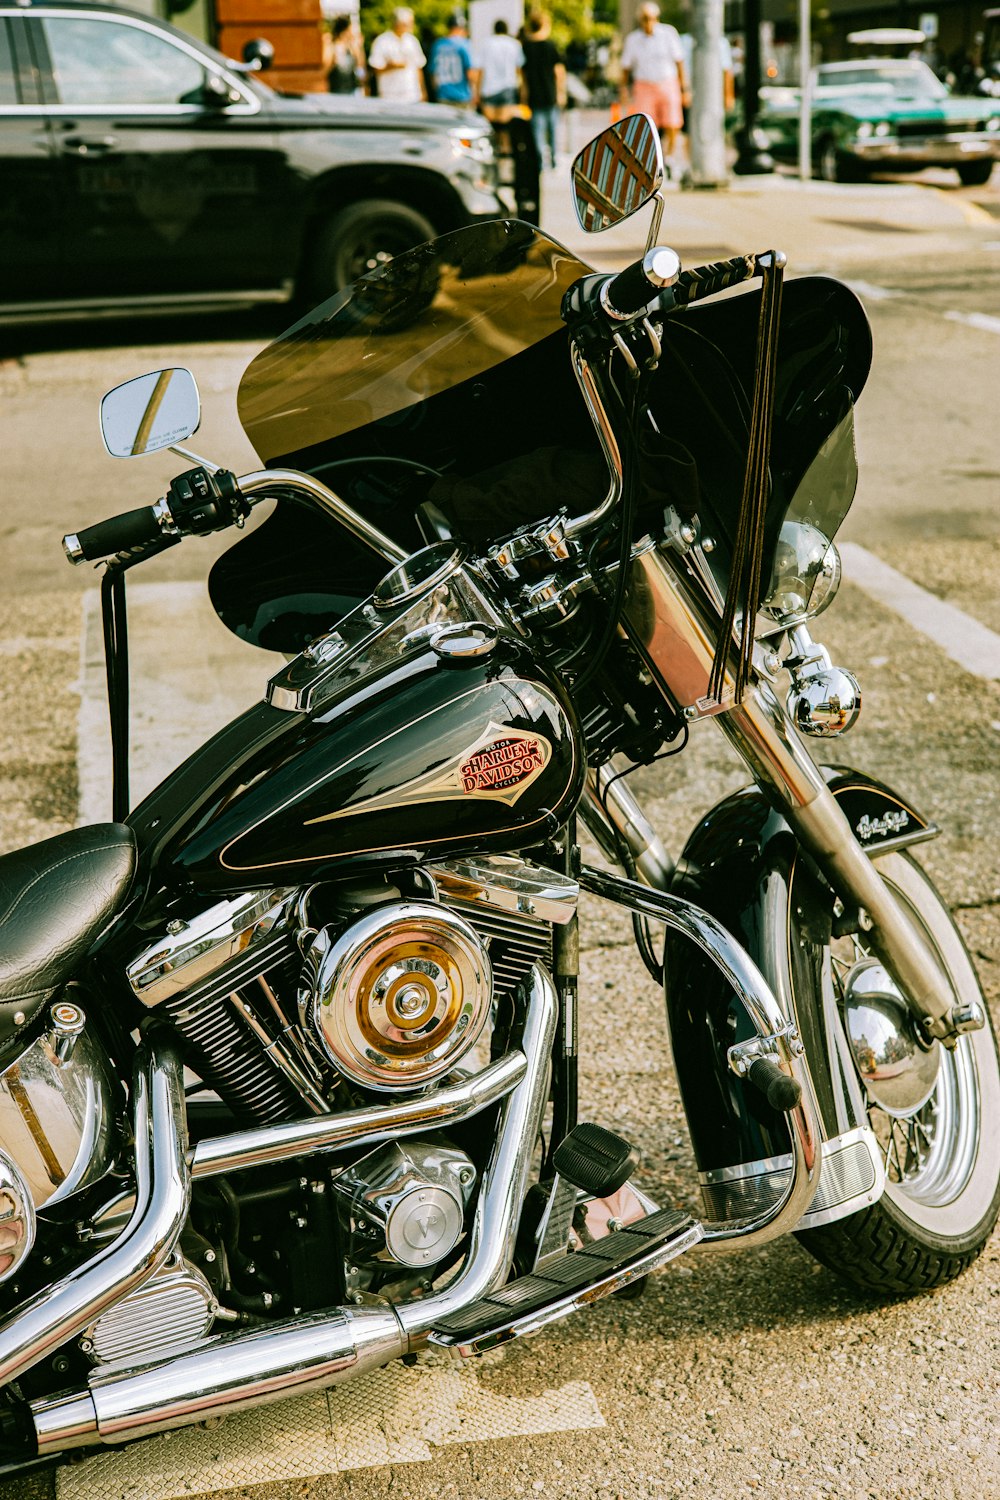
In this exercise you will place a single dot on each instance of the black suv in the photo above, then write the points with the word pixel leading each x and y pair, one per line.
pixel 139 166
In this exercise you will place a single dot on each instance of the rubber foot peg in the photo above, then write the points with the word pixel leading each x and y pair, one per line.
pixel 595 1160
pixel 781 1092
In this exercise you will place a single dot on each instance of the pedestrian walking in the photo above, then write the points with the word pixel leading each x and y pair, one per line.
pixel 654 79
pixel 451 64
pixel 545 83
pixel 498 83
pixel 344 57
pixel 397 60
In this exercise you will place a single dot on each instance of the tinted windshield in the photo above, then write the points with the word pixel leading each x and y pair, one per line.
pixel 433 318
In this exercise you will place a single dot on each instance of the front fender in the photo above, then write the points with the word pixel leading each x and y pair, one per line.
pixel 740 864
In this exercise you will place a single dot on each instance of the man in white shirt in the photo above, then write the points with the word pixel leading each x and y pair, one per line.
pixel 654 79
pixel 397 60
pixel 500 60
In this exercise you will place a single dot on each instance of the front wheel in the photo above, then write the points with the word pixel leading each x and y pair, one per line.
pixel 358 239
pixel 936 1117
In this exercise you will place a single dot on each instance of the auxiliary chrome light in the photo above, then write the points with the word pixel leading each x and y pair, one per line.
pixel 806 574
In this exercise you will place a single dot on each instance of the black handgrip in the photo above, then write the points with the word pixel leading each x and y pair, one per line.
pixel 640 283
pixel 117 534
pixel 708 281
pixel 630 291
pixel 780 1091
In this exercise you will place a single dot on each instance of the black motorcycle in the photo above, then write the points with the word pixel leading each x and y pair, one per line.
pixel 288 1086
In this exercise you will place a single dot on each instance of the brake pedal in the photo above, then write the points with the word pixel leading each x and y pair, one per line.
pixel 595 1160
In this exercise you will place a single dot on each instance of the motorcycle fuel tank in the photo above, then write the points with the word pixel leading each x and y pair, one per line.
pixel 374 753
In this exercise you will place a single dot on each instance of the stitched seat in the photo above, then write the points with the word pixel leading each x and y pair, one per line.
pixel 55 899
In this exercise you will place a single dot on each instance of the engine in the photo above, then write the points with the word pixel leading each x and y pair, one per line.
pixel 323 1000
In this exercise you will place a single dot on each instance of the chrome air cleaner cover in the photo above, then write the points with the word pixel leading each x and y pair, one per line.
pixel 399 996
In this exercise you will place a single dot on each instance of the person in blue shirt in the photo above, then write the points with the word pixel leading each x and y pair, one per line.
pixel 451 64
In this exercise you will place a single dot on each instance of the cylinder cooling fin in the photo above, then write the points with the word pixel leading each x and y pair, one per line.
pixel 400 995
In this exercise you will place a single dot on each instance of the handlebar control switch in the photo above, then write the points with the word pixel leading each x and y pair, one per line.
pixel 634 289
pixel 200 501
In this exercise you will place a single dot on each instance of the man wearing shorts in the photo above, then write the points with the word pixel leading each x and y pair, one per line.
pixel 654 79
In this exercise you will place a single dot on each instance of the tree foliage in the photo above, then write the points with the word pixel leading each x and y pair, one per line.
pixel 572 20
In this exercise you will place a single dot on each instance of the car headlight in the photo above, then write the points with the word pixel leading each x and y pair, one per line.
pixel 864 129
pixel 993 123
pixel 473 143
pixel 883 128
pixel 806 574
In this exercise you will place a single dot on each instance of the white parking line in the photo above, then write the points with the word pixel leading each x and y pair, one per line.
pixel 391 1416
pixel 962 638
pixel 868 292
pixel 983 321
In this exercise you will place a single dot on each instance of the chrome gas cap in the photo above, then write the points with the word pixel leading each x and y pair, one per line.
pixel 898 1071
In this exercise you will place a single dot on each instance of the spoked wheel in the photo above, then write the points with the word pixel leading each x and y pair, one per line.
pixel 935 1112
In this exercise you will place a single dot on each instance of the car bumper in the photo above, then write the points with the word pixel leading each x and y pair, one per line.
pixel 947 150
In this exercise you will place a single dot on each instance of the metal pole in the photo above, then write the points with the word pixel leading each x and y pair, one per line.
pixel 751 158
pixel 707 124
pixel 805 92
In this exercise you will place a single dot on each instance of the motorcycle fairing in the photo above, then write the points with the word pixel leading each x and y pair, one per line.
pixel 740 864
pixel 445 376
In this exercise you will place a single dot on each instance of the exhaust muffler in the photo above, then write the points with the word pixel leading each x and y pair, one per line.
pixel 240 1370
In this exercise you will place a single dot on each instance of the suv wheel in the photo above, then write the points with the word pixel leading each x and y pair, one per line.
pixel 361 238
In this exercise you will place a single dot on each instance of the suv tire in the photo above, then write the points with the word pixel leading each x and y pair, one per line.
pixel 358 239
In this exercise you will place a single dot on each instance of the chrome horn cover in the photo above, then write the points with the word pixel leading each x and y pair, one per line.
pixel 899 1072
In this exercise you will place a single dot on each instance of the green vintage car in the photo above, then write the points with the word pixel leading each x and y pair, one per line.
pixel 884 115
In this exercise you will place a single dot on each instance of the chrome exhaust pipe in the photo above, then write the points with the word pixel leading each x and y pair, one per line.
pixel 162 1197
pixel 240 1370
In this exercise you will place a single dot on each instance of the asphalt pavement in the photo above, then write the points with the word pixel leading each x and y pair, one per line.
pixel 732 1376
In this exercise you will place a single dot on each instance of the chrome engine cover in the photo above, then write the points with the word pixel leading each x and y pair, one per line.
pixel 57 1124
pixel 398 996
pixel 415 1194
pixel 173 1309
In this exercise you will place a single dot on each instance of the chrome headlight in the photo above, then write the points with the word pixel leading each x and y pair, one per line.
pixel 806 574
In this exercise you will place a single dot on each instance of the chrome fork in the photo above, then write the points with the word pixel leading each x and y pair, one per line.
pixel 676 634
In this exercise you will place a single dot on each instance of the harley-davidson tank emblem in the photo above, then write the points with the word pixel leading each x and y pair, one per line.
pixel 503 764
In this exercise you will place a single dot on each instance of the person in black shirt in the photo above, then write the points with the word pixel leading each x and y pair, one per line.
pixel 545 84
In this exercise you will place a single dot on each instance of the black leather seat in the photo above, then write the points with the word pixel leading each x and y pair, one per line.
pixel 55 899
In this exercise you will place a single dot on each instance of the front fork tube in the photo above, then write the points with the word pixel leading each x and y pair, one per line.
pixel 786 772
pixel 672 628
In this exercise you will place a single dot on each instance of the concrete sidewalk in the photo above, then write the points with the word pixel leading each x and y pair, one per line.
pixel 818 224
